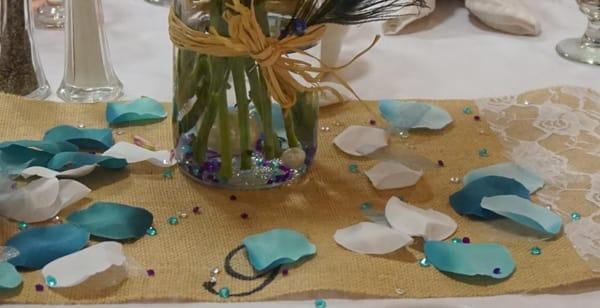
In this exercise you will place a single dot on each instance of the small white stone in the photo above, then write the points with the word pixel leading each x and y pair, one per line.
pixel 400 291
pixel 80 125
pixel 454 180
pixel 213 279
pixel 215 271
pixel 293 158
pixel 183 215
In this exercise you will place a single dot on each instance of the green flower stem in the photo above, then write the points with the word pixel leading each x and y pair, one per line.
pixel 238 69
pixel 261 99
pixel 288 119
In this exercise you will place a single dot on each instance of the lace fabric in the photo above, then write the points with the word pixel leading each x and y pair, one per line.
pixel 555 132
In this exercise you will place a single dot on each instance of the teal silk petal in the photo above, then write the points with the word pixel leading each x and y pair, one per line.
pixel 277 247
pixel 42 245
pixel 16 156
pixel 143 110
pixel 487 259
pixel 113 221
pixel 85 138
pixel 9 277
pixel 71 160
pixel 405 115
pixel 467 201
pixel 525 213
pixel 508 170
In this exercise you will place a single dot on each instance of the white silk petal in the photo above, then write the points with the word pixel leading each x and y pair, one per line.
pixel 41 199
pixel 392 175
pixel 371 238
pixel 414 221
pixel 361 140
pixel 135 154
pixel 103 264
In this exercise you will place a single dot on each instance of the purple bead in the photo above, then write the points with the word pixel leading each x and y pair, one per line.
pixel 232 198
pixel 477 118
pixel 466 240
pixel 299 26
pixel 441 163
pixel 284 272
pixel 196 210
pixel 244 216
pixel 39 287
pixel 150 272
pixel 269 182
pixel 497 271
pixel 372 122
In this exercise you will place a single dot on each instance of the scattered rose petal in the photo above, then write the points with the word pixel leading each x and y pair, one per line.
pixel 414 221
pixel 141 110
pixel 113 221
pixel 41 199
pixel 470 259
pixel 371 238
pixel 135 154
pixel 85 138
pixel 89 265
pixel 403 115
pixel 41 245
pixel 525 213
pixel 508 170
pixel 277 247
pixel 361 140
pixel 392 175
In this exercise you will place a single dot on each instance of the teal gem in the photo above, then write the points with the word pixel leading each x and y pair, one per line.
pixel 483 152
pixel 51 281
pixel 224 292
pixel 366 206
pixel 167 174
pixel 575 216
pixel 456 240
pixel 467 110
pixel 536 251
pixel 151 231
pixel 173 220
pixel 353 168
pixel 424 263
pixel 320 303
pixel 22 225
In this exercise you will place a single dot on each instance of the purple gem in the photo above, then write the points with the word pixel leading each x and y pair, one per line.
pixel 284 272
pixel 244 216
pixel 497 271
pixel 196 210
pixel 39 287
pixel 299 26
pixel 150 272
pixel 477 118
pixel 372 122
pixel 441 163
pixel 232 198
pixel 466 240
pixel 269 182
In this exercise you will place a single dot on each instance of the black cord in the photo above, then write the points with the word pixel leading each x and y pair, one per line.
pixel 271 275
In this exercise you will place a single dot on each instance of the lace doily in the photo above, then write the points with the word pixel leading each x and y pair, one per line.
pixel 556 133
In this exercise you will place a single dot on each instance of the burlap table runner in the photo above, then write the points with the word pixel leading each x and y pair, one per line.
pixel 328 198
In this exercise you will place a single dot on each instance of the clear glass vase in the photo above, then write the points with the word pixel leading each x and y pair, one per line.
pixel 228 131
pixel 89 75
pixel 20 70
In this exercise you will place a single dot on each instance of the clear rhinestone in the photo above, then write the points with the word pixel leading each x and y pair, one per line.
pixel 81 125
pixel 215 271
pixel 213 279
pixel 454 180
pixel 120 132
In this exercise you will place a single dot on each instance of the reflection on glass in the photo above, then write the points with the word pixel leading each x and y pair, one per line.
pixel 587 48
pixel 51 14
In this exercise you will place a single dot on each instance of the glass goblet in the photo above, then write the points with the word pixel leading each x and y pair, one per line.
pixel 51 14
pixel 587 48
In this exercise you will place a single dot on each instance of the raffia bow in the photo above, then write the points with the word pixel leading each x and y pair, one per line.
pixel 247 39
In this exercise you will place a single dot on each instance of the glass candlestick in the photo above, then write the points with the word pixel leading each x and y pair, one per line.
pixel 587 48
pixel 51 14
pixel 89 74
pixel 20 69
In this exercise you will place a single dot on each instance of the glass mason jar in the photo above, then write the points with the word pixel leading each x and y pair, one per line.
pixel 228 131
pixel 20 70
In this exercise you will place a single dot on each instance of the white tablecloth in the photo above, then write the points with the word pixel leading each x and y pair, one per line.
pixel 449 55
